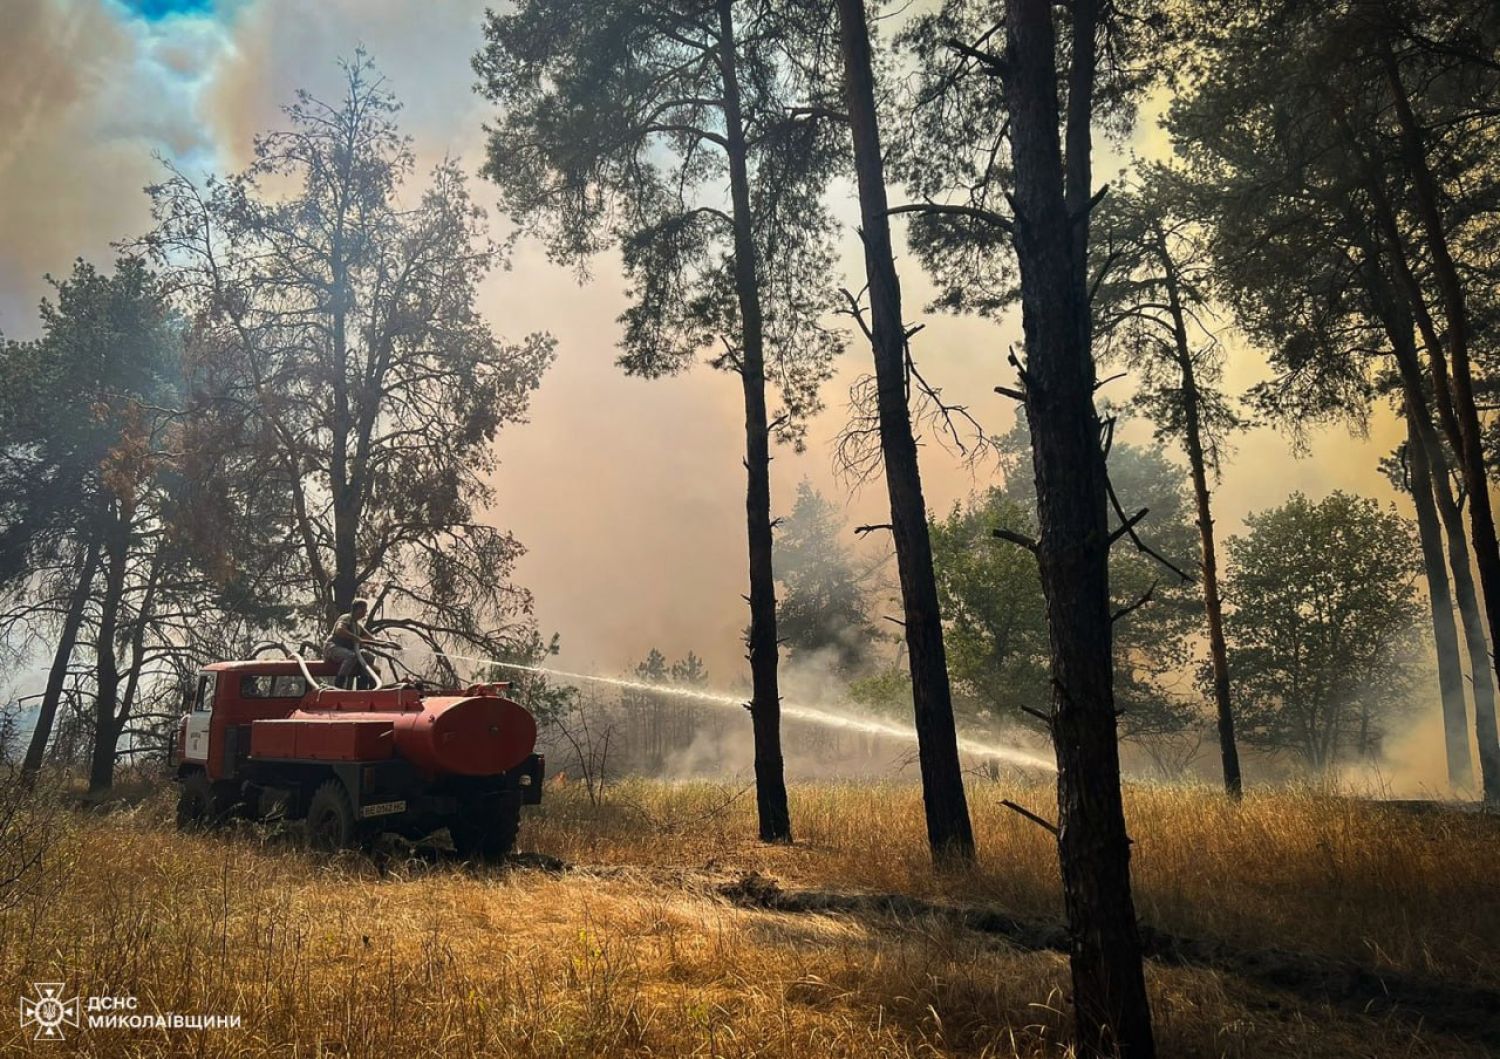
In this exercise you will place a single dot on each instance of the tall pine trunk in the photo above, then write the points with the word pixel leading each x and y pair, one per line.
pixel 62 656
pixel 345 522
pixel 1396 318
pixel 1213 607
pixel 1452 376
pixel 106 665
pixel 1481 669
pixel 1444 630
pixel 345 498
pixel 765 705
pixel 1112 1012
pixel 949 834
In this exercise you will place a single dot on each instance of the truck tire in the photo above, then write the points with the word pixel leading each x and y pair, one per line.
pixel 197 806
pixel 330 818
pixel 488 833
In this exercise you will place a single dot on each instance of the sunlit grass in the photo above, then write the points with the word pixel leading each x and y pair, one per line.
pixel 336 958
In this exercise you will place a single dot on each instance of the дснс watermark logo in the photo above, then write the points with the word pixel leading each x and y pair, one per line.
pixel 49 1012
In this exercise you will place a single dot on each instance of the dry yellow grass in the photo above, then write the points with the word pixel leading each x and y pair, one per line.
pixel 1298 868
pixel 633 955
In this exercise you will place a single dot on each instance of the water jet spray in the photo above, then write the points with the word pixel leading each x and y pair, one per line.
pixel 1012 755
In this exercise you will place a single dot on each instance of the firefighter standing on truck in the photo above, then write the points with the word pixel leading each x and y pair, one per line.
pixel 346 642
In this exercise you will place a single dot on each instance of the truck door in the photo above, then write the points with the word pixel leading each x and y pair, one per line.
pixel 201 719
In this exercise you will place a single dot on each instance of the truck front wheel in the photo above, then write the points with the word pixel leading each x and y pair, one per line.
pixel 197 806
pixel 330 818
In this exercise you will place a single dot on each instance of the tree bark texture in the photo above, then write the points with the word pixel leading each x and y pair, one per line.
pixel 1111 1009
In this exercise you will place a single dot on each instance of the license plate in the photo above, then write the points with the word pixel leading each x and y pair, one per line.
pixel 382 809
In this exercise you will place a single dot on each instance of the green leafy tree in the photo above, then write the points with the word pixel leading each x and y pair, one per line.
pixel 1324 610
pixel 886 691
pixel 546 699
pixel 995 610
pixel 95 559
pixel 689 136
pixel 994 615
pixel 824 608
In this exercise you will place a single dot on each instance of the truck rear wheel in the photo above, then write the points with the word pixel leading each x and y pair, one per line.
pixel 487 833
pixel 330 818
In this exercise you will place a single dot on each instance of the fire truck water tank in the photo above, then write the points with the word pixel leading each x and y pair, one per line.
pixel 466 736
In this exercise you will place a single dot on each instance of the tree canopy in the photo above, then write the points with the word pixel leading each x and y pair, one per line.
pixel 352 377
pixel 996 614
pixel 615 134
pixel 1324 607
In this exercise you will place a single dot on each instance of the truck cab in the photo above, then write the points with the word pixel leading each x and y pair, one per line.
pixel 227 698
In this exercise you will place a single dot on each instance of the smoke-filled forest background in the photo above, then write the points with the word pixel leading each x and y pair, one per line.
pixel 624 492
pixel 969 490
pixel 201 84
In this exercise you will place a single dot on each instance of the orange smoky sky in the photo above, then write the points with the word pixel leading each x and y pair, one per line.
pixel 628 494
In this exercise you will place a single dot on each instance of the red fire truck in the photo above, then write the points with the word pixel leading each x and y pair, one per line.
pixel 271 739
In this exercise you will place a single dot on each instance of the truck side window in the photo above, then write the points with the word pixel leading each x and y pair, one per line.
pixel 272 687
pixel 205 700
pixel 288 687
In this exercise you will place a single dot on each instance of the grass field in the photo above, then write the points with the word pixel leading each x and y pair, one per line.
pixel 1297 924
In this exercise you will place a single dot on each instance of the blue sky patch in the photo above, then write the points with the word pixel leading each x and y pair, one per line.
pixel 155 10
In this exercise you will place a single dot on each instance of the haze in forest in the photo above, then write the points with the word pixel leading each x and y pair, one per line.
pixel 627 493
